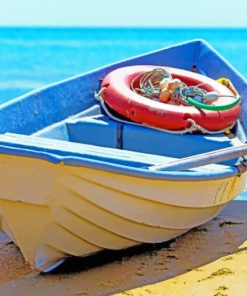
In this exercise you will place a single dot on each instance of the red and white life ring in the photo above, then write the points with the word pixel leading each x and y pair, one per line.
pixel 119 96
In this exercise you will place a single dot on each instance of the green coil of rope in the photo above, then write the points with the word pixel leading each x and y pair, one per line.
pixel 213 107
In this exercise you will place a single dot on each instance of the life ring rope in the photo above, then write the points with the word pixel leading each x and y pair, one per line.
pixel 194 127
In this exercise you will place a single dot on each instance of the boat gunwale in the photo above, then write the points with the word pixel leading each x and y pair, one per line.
pixel 80 159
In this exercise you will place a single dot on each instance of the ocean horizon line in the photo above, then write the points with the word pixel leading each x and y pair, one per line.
pixel 122 27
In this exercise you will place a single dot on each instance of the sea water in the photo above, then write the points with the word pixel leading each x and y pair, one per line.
pixel 33 57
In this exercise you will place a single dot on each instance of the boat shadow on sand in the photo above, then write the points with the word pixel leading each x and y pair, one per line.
pixel 218 238
pixel 110 272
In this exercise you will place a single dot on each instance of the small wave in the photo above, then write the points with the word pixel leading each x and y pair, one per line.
pixel 75 43
pixel 20 84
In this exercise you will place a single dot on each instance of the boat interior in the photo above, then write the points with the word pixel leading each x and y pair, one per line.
pixel 93 127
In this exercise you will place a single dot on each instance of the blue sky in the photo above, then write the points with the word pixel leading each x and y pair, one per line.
pixel 158 13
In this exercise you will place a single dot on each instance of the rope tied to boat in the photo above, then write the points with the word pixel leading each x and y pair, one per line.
pixel 158 85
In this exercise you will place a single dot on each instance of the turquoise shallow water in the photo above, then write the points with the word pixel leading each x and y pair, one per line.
pixel 31 58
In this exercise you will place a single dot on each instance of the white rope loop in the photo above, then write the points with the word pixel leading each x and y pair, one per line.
pixel 194 127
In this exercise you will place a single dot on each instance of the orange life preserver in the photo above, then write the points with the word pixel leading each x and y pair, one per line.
pixel 119 96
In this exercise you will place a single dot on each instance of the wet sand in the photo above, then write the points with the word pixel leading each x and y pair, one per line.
pixel 209 260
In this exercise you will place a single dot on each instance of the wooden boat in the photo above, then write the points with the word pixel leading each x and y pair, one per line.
pixel 75 181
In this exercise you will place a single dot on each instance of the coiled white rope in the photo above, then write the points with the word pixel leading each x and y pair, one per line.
pixel 193 125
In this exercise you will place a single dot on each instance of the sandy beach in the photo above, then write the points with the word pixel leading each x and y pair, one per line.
pixel 209 260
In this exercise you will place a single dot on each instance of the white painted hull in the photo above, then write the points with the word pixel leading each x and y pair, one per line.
pixel 54 211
